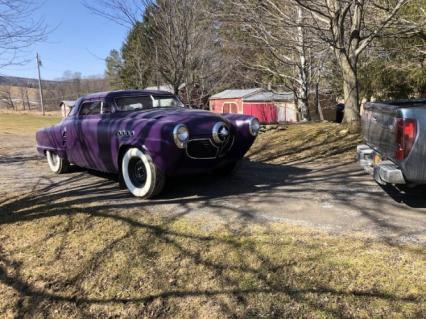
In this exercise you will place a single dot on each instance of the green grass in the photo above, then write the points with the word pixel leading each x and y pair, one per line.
pixel 25 123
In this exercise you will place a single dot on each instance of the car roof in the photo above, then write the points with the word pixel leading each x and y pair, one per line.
pixel 112 94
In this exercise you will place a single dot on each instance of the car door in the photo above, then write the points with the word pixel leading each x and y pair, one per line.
pixel 88 137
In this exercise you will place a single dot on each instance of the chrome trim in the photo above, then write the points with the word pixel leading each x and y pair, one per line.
pixel 229 147
pixel 125 133
pixel 178 142
pixel 216 130
pixel 251 126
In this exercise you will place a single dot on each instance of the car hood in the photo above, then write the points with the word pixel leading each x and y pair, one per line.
pixel 174 114
pixel 199 122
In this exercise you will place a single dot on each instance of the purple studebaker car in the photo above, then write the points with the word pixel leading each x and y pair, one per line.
pixel 145 136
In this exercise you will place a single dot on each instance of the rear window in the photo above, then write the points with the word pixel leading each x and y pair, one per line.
pixel 133 103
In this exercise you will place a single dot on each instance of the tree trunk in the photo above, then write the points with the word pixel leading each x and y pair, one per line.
pixel 27 100
pixel 176 89
pixel 303 85
pixel 351 94
pixel 302 104
pixel 317 102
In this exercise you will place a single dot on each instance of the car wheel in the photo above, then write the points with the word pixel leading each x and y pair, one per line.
pixel 57 165
pixel 140 175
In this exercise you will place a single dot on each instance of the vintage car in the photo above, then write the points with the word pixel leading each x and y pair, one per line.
pixel 145 136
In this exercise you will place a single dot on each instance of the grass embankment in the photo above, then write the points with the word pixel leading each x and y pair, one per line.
pixel 301 143
pixel 25 123
pixel 62 258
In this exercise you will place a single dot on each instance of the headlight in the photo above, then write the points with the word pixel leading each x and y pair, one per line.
pixel 254 126
pixel 220 132
pixel 180 135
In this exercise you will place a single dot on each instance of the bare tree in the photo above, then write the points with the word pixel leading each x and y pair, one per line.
pixel 179 39
pixel 26 104
pixel 6 97
pixel 176 29
pixel 349 27
pixel 18 29
pixel 24 97
pixel 123 12
pixel 289 52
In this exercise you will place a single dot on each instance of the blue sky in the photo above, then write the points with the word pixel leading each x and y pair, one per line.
pixel 79 42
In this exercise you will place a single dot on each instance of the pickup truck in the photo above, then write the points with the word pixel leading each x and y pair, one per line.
pixel 394 149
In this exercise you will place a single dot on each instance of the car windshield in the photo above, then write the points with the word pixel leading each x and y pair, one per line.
pixel 144 102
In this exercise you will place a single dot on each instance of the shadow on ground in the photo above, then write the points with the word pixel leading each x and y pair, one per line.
pixel 257 182
pixel 239 279
pixel 412 197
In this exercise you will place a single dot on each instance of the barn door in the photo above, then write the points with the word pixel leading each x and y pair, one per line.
pixel 282 114
pixel 226 108
pixel 230 107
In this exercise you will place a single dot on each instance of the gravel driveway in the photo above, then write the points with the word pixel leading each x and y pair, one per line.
pixel 335 197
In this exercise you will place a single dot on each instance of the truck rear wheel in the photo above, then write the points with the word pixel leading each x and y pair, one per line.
pixel 140 175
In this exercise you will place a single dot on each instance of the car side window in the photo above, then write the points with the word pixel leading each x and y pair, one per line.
pixel 91 108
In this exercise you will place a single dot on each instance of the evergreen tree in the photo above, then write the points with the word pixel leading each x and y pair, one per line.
pixel 114 65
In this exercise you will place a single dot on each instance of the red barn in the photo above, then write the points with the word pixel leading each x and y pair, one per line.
pixel 257 102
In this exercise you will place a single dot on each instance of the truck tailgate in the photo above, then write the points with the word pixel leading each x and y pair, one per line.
pixel 379 130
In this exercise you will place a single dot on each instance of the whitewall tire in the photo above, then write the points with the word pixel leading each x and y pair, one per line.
pixel 57 165
pixel 140 175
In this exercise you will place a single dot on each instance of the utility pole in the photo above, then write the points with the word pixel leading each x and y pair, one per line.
pixel 40 88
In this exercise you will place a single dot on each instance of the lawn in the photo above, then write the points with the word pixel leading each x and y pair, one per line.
pixel 25 123
pixel 64 258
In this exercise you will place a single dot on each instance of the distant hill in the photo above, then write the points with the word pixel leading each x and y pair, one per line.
pixel 22 93
pixel 23 82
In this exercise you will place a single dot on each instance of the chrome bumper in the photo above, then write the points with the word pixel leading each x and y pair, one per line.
pixel 386 172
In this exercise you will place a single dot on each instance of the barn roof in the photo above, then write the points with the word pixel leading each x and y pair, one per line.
pixel 266 96
pixel 236 94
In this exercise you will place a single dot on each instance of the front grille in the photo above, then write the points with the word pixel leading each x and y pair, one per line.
pixel 207 149
pixel 201 149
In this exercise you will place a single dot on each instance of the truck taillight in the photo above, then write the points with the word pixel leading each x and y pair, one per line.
pixel 406 132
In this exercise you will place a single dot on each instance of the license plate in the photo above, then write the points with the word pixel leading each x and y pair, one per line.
pixel 377 159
